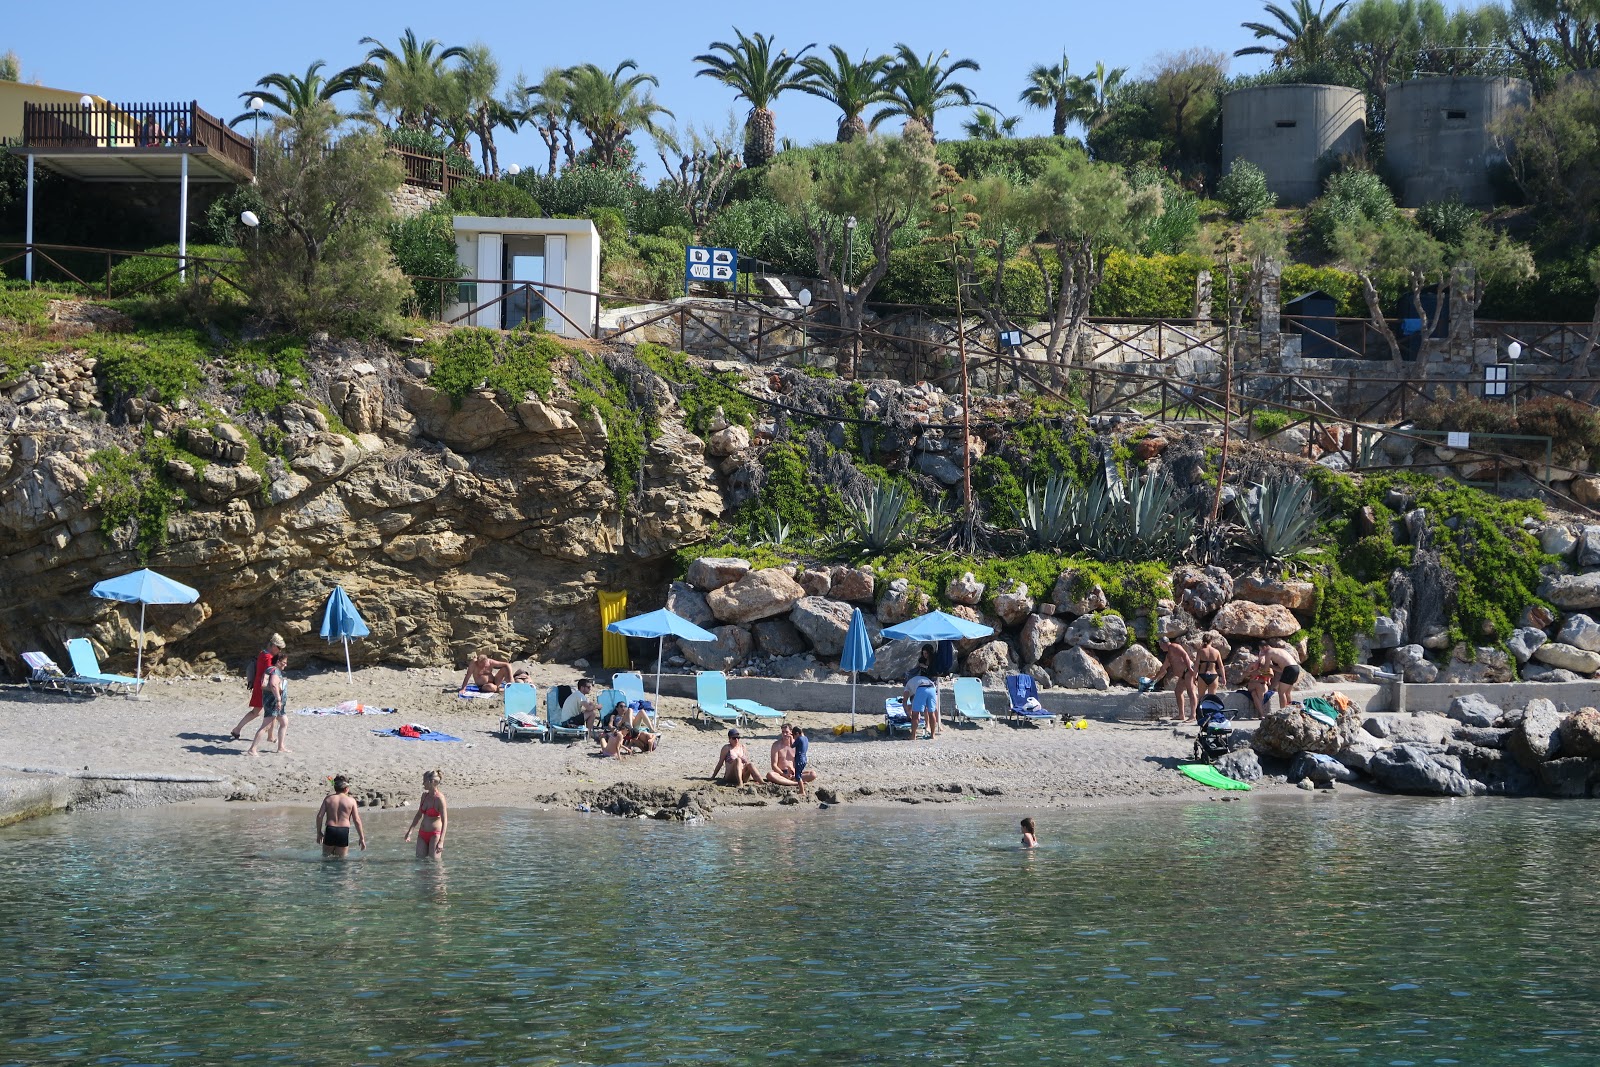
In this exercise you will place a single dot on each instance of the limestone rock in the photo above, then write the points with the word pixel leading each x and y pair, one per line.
pixel 1474 710
pixel 964 590
pixel 439 550
pixel 900 602
pixel 823 622
pixel 1241 765
pixel 1580 733
pixel 1568 657
pixel 1572 592
pixel 1076 669
pixel 1320 769
pixel 1290 593
pixel 939 468
pixel 1580 631
pixel 1014 605
pixel 731 648
pixel 1538 672
pixel 714 572
pixel 1557 539
pixel 1524 642
pixel 855 585
pixel 992 657
pixel 1106 632
pixel 1284 733
pixel 1415 768
pixel 895 660
pixel 1537 737
pixel 1423 728
pixel 815 581
pixel 778 637
pixel 1411 663
pixel 1476 665
pixel 1040 633
pixel 685 600
pixel 1075 594
pixel 1133 664
pixel 1202 591
pixel 758 595
pixel 728 441
pixel 1589 547
pixel 1240 618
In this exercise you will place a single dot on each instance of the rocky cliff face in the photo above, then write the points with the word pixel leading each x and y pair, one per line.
pixel 484 524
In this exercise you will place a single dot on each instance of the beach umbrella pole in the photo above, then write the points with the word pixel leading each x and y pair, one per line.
pixel 138 671
pixel 349 677
pixel 661 643
pixel 852 701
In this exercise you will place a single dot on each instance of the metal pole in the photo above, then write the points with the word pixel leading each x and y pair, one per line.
pixel 28 238
pixel 138 671
pixel 183 219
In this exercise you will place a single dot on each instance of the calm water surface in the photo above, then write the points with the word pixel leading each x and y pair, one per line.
pixel 1324 932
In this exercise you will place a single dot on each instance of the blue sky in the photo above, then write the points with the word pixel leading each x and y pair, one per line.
pixel 212 51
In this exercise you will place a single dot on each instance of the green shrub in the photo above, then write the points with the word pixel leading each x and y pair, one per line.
pixel 765 230
pixel 427 143
pixel 1244 190
pixel 514 363
pixel 578 190
pixel 1573 428
pixel 148 276
pixel 1268 422
pixel 600 394
pixel 166 365
pixel 424 246
pixel 1021 159
pixel 1447 220
pixel 1343 286
pixel 492 199
pixel 1160 286
pixel 701 393
pixel 1349 198
pixel 268 374
pixel 135 494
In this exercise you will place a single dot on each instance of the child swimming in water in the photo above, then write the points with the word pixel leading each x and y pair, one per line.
pixel 1029 838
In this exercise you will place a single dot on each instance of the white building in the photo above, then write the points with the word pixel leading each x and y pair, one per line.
pixel 562 256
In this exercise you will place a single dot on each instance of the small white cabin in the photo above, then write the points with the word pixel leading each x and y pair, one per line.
pixel 562 254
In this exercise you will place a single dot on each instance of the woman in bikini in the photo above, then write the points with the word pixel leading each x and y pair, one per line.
pixel 1257 677
pixel 431 815
pixel 1208 665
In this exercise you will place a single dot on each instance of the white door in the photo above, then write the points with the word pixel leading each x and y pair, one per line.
pixel 489 266
pixel 555 273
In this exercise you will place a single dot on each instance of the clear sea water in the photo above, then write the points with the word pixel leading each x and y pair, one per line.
pixel 1328 931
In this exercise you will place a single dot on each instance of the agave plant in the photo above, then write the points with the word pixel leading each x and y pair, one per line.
pixel 879 517
pixel 1280 520
pixel 770 529
pixel 1051 515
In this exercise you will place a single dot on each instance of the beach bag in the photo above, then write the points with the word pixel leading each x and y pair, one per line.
pixel 562 693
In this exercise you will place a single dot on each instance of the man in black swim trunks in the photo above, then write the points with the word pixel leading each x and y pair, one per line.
pixel 1285 671
pixel 334 819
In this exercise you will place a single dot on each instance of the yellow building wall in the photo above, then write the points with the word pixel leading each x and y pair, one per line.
pixel 14 94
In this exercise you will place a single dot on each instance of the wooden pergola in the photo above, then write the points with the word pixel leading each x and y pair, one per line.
pixel 133 142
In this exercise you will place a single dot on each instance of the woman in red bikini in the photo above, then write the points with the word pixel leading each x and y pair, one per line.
pixel 431 814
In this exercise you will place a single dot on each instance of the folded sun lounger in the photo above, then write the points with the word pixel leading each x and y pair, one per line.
pixel 87 668
pixel 45 676
pixel 895 718
pixel 969 700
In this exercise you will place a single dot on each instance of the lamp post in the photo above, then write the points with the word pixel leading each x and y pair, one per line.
pixel 849 247
pixel 250 219
pixel 1513 353
pixel 803 298
pixel 513 170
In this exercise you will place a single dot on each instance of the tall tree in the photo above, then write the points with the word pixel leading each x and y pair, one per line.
pixel 750 68
pixel 468 97
pixel 1096 92
pixel 610 105
pixel 547 107
pixel 295 94
pixel 699 166
pixel 1054 89
pixel 1547 37
pixel 408 82
pixel 881 181
pixel 849 85
pixel 1555 158
pixel 920 88
pixel 1300 35
pixel 1187 89
pixel 987 124
pixel 1379 39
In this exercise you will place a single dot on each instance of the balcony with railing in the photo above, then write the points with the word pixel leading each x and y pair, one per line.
pixel 97 141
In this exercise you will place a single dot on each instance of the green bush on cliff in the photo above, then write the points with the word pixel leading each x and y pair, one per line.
pixel 268 374
pixel 600 394
pixel 701 393
pixel 135 493
pixel 514 363
pixel 167 365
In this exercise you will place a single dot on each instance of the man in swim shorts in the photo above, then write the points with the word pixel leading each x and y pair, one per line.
pixel 1178 665
pixel 489 675
pixel 334 819
pixel 920 699
pixel 1285 671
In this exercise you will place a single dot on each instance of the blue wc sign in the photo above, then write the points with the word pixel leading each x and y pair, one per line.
pixel 702 264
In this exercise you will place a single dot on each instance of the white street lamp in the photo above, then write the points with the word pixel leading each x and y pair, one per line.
pixel 252 220
pixel 850 247
pixel 514 170
pixel 1513 353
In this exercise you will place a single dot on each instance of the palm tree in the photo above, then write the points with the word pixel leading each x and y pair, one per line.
pixel 1096 93
pixel 920 88
pixel 547 107
pixel 467 98
pixel 294 95
pixel 1053 89
pixel 410 83
pixel 1302 35
pixel 609 107
pixel 850 86
pixel 759 77
pixel 987 124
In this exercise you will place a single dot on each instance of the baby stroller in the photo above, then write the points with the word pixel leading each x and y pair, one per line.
pixel 1216 730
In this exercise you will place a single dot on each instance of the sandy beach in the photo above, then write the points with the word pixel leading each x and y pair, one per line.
pixel 181 727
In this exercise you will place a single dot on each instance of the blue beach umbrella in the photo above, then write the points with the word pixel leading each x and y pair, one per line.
pixel 660 624
pixel 143 588
pixel 341 621
pixel 857 656
pixel 937 626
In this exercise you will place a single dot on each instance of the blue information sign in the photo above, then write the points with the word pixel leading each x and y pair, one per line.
pixel 710 264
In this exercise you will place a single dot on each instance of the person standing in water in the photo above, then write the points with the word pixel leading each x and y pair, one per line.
pixel 431 816
pixel 1030 839
pixel 334 819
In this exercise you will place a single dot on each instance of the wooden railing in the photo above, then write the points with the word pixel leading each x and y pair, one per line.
pixel 133 125
pixel 426 171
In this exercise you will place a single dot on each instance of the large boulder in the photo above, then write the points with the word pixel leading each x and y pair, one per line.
pixel 895 660
pixel 1240 618
pixel 823 622
pixel 1589 547
pixel 991 658
pixel 1135 663
pixel 1284 733
pixel 1105 632
pixel 1075 593
pixel 1474 709
pixel 1569 776
pixel 1419 769
pixel 901 602
pixel 1580 733
pixel 1412 664
pixel 1014 605
pixel 688 602
pixel 1572 592
pixel 1040 633
pixel 1320 768
pixel 1580 631
pixel 1537 737
pixel 778 637
pixel 731 648
pixel 1202 591
pixel 855 585
pixel 1360 748
pixel 758 595
pixel 816 581
pixel 1524 642
pixel 1568 657
pixel 1538 672
pixel 1241 765
pixel 714 572
pixel 1476 666
pixel 1076 669
pixel 1290 593
pixel 964 590
pixel 1397 727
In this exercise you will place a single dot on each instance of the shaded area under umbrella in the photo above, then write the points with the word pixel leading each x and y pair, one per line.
pixel 661 624
pixel 144 587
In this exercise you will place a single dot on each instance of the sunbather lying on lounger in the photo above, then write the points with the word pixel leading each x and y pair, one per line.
pixel 621 742
pixel 489 675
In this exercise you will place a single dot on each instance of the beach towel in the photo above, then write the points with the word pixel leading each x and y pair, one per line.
pixel 472 692
pixel 348 707
pixel 1321 710
pixel 1208 775
pixel 415 732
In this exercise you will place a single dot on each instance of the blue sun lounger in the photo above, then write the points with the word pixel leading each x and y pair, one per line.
pixel 86 667
pixel 969 700
pixel 521 714
pixel 1024 694
pixel 631 685
pixel 711 698
pixel 553 728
